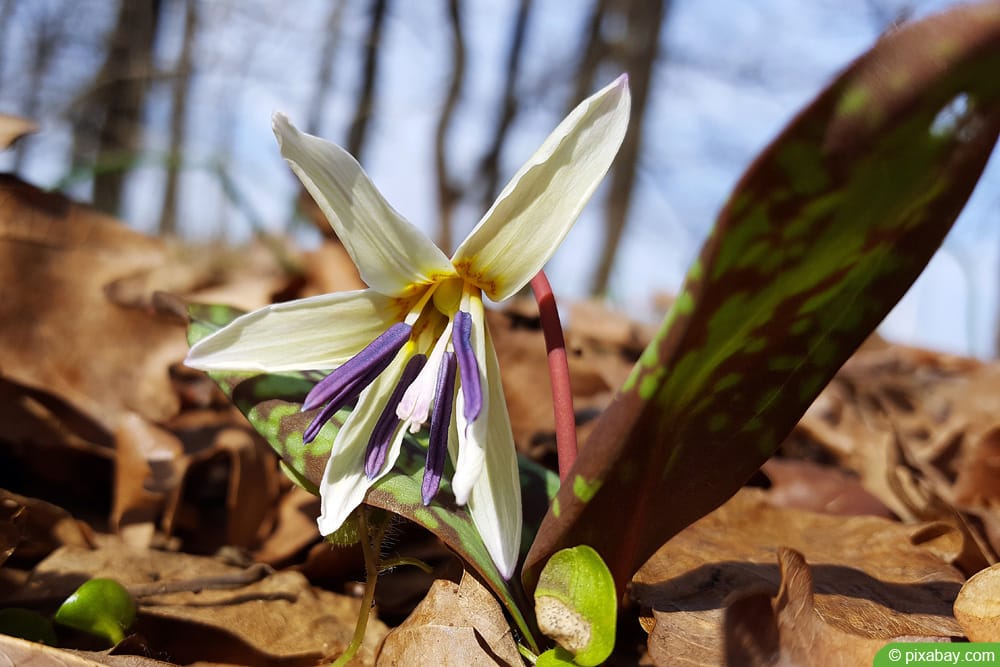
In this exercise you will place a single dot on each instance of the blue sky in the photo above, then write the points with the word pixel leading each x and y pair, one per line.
pixel 731 74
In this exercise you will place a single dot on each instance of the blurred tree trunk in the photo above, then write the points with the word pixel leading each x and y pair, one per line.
pixel 118 94
pixel 637 54
pixel 489 169
pixel 595 50
pixel 180 86
pixel 448 192
pixel 324 75
pixel 363 110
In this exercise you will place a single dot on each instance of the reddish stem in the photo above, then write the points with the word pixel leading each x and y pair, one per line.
pixel 562 396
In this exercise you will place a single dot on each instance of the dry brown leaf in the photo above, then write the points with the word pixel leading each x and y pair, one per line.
pixel 149 466
pixel 607 340
pixel 59 332
pixel 977 606
pixel 14 651
pixel 916 426
pixel 246 277
pixel 330 269
pixel 34 528
pixel 458 625
pixel 789 630
pixel 253 486
pixel 804 485
pixel 520 347
pixel 295 528
pixel 871 579
pixel 277 619
pixel 13 128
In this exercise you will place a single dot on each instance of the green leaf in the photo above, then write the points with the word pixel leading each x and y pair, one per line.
pixel 821 237
pixel 272 404
pixel 556 657
pixel 101 607
pixel 27 624
pixel 576 604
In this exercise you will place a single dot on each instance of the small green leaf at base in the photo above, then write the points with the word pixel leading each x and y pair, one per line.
pixel 101 607
pixel 576 605
pixel 27 624
pixel 556 657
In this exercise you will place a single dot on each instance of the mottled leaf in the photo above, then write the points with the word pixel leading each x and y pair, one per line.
pixel 821 237
pixel 273 405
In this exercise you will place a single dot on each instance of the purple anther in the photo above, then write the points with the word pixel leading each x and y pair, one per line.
pixel 345 383
pixel 387 422
pixel 349 378
pixel 472 391
pixel 437 448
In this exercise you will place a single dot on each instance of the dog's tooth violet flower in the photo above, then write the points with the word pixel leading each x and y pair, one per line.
pixel 413 350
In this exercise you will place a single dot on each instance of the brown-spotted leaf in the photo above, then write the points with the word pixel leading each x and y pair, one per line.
pixel 872 578
pixel 823 234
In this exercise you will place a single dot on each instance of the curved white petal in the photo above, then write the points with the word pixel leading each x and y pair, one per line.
pixel 391 254
pixel 345 483
pixel 495 502
pixel 308 334
pixel 472 438
pixel 535 211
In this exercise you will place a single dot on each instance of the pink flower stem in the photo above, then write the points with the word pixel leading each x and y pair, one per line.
pixel 562 396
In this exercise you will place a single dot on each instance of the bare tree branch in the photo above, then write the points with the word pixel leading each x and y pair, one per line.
pixel 448 193
pixel 363 110
pixel 119 93
pixel 595 50
pixel 324 75
pixel 489 168
pixel 48 36
pixel 638 52
pixel 180 85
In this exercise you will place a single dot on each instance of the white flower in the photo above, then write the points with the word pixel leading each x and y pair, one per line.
pixel 414 349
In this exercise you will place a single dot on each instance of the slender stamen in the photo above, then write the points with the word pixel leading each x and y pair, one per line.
pixel 353 375
pixel 472 392
pixel 444 399
pixel 415 407
pixel 388 421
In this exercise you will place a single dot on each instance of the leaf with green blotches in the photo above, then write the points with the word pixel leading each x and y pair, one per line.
pixel 100 607
pixel 821 237
pixel 272 403
pixel 576 605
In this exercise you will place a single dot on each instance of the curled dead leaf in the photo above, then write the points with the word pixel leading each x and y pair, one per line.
pixel 870 579
pixel 458 625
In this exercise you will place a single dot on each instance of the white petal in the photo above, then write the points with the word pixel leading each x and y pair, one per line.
pixel 390 253
pixel 495 502
pixel 472 438
pixel 345 483
pixel 535 211
pixel 308 334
